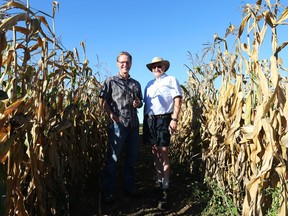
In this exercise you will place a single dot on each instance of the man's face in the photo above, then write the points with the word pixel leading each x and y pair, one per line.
pixel 124 65
pixel 158 70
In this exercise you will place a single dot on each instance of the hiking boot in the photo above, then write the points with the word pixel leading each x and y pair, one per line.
pixel 162 203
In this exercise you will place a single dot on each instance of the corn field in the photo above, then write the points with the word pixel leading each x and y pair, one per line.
pixel 53 131
pixel 241 127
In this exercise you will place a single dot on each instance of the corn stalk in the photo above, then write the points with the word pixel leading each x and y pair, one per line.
pixel 245 124
pixel 52 130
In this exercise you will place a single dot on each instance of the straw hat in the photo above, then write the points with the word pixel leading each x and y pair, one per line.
pixel 158 60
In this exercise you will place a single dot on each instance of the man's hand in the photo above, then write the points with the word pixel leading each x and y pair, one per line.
pixel 114 118
pixel 136 103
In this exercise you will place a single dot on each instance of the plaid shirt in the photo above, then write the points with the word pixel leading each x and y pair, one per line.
pixel 119 94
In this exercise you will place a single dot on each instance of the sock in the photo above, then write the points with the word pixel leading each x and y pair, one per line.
pixel 165 183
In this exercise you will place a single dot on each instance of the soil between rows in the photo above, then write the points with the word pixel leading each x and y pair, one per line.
pixel 181 200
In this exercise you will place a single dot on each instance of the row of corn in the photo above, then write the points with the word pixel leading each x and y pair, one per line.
pixel 52 130
pixel 242 123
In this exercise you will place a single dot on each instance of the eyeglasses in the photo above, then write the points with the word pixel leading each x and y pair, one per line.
pixel 158 66
pixel 123 62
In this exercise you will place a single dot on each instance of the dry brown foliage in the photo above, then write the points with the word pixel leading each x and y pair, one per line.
pixel 52 130
pixel 243 124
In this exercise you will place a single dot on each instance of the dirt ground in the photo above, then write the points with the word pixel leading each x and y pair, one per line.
pixel 182 199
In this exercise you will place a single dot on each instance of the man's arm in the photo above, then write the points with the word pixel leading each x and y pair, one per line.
pixel 175 114
pixel 109 112
pixel 177 107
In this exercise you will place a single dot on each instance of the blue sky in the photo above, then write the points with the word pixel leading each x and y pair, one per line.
pixel 144 28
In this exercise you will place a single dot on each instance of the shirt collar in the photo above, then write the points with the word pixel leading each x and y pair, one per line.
pixel 161 77
pixel 120 77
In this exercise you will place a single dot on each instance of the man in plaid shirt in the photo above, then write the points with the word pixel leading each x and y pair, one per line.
pixel 121 97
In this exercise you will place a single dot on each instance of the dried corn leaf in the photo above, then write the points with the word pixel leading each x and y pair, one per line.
pixel 5 145
pixel 284 140
pixel 282 46
pixel 282 172
pixel 243 24
pixel 269 19
pixel 18 5
pixel 248 108
pixel 10 111
pixel 13 20
pixel 44 21
pixel 283 16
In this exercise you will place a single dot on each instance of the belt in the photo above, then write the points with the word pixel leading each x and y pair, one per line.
pixel 159 116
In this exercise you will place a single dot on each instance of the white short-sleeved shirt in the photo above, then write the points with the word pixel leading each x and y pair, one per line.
pixel 159 94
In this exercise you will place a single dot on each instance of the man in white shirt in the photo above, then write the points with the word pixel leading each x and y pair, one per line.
pixel 162 98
